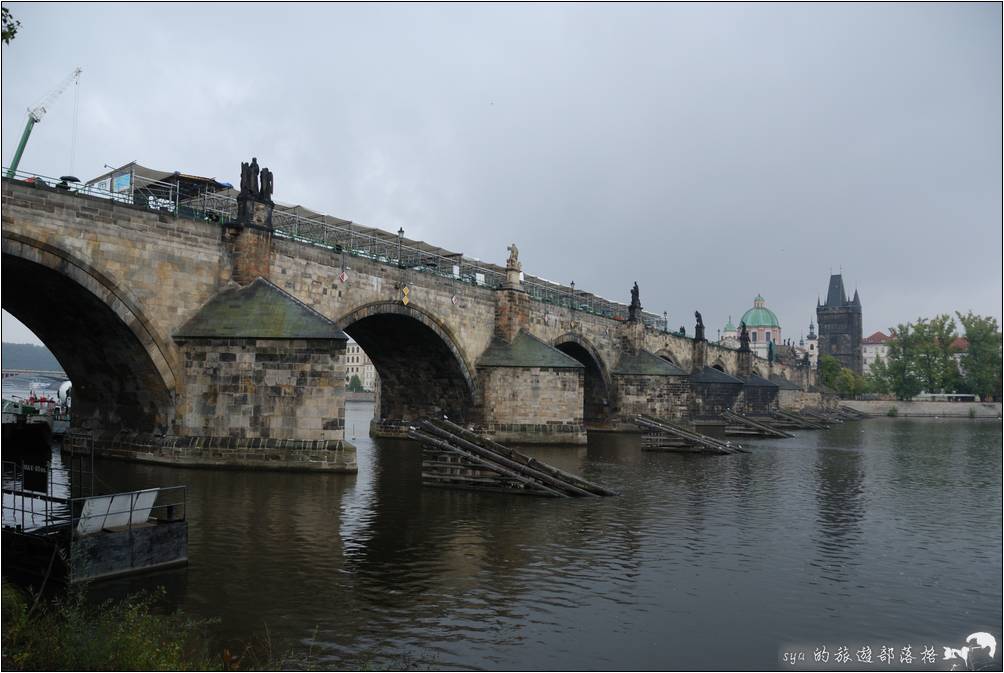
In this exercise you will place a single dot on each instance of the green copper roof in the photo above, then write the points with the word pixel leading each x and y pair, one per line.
pixel 647 364
pixel 259 311
pixel 526 350
pixel 760 317
pixel 729 327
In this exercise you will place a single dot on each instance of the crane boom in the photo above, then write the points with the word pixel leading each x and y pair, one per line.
pixel 35 115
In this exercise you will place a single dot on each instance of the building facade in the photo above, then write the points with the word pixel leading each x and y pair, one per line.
pixel 840 325
pixel 812 345
pixel 357 363
pixel 874 347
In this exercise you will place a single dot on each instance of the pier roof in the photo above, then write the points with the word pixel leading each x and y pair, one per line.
pixel 260 310
pixel 783 383
pixel 647 364
pixel 526 350
pixel 712 375
pixel 755 381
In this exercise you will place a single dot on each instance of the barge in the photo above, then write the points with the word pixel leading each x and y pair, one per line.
pixel 58 528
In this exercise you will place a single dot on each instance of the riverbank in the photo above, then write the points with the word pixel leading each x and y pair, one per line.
pixel 981 410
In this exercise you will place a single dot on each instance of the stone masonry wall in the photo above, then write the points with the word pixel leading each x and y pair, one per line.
pixel 273 389
pixel 795 400
pixel 533 404
pixel 712 399
pixel 662 396
pixel 757 400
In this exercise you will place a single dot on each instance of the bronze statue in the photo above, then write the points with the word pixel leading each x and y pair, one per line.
pixel 699 327
pixel 635 301
pixel 744 337
pixel 253 177
pixel 266 185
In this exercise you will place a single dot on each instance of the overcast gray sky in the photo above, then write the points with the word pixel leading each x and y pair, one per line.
pixel 710 152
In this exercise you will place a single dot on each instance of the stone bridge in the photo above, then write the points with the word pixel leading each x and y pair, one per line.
pixel 203 341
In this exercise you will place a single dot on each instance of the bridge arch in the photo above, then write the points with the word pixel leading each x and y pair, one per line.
pixel 720 366
pixel 668 357
pixel 422 369
pixel 120 365
pixel 597 384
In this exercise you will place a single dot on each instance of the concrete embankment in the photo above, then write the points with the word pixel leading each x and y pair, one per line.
pixel 926 409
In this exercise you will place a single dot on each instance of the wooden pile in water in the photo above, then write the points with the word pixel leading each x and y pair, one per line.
pixel 821 417
pixel 662 435
pixel 789 419
pixel 851 414
pixel 745 426
pixel 455 457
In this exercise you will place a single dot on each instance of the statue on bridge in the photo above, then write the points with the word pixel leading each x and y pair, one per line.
pixel 513 261
pixel 744 337
pixel 265 193
pixel 699 328
pixel 249 178
pixel 251 193
pixel 634 310
pixel 250 183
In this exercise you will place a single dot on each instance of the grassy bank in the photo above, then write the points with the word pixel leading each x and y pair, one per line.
pixel 69 633
pixel 137 633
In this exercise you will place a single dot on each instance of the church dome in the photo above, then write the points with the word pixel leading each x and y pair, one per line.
pixel 729 327
pixel 760 315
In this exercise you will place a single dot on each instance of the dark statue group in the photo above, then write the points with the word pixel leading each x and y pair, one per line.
pixel 255 185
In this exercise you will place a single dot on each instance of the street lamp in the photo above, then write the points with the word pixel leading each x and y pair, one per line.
pixel 573 295
pixel 400 234
pixel 665 321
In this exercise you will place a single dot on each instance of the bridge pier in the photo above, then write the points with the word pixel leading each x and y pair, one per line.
pixel 530 392
pixel 263 384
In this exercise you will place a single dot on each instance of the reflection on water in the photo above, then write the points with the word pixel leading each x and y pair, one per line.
pixel 884 529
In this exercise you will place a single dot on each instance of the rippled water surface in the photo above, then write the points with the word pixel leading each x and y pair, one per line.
pixel 886 530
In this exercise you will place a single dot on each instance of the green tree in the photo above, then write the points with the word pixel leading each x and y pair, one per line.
pixel 829 369
pixel 900 369
pixel 878 377
pixel 849 384
pixel 10 26
pixel 932 353
pixel 355 385
pixel 981 363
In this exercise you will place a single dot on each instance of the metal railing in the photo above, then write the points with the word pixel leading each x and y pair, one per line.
pixel 342 238
pixel 127 509
pixel 152 195
pixel 27 509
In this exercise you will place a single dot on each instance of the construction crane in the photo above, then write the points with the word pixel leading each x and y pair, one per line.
pixel 35 115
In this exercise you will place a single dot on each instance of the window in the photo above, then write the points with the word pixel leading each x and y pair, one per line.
pixel 753 337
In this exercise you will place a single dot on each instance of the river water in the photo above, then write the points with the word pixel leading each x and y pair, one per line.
pixel 884 532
